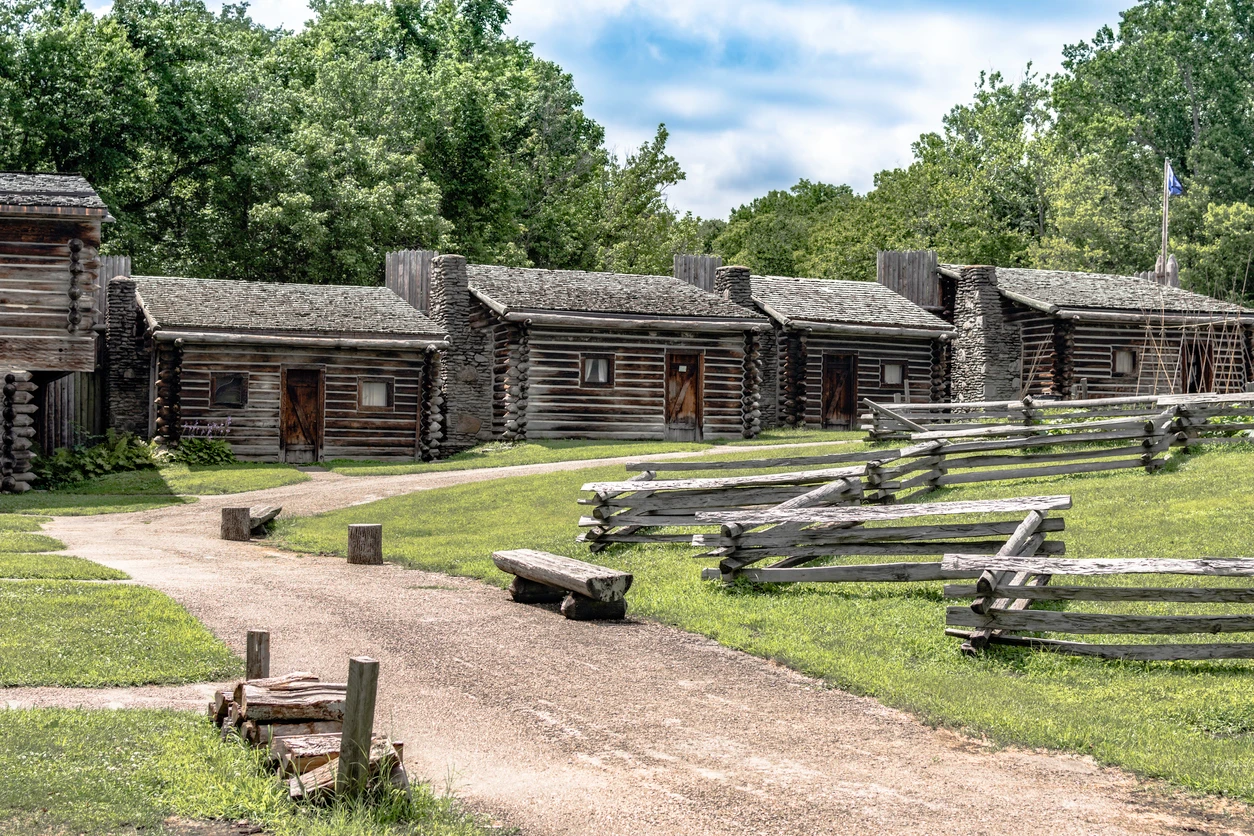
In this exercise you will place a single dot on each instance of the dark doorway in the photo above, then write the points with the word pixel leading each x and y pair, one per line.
pixel 300 426
pixel 1197 367
pixel 684 397
pixel 840 391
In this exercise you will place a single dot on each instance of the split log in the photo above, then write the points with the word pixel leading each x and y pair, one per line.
pixel 1219 566
pixel 1075 622
pixel 595 582
pixel 869 573
pixel 320 701
pixel 1127 652
pixel 259 515
pixel 1183 595
pixel 299 680
pixel 301 753
pixel 874 513
pixel 323 780
pixel 269 735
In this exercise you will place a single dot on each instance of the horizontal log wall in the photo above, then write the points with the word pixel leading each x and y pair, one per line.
pixel 48 293
pixel 558 407
pixel 872 353
pixel 348 431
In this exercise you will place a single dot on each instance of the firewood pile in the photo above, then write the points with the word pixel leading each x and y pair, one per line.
pixel 299 721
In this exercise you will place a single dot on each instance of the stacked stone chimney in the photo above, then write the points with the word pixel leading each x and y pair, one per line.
pixel 987 358
pixel 129 359
pixel 467 365
pixel 735 284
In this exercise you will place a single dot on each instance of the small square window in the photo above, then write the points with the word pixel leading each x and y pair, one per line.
pixel 1124 362
pixel 596 370
pixel 894 374
pixel 228 389
pixel 374 393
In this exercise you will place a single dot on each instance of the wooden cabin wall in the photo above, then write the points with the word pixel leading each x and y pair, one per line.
pixel 1038 357
pixel 872 353
pixel 349 432
pixel 42 328
pixel 72 410
pixel 558 407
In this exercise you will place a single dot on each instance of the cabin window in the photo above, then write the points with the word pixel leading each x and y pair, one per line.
pixel 375 393
pixel 893 374
pixel 597 370
pixel 1123 362
pixel 228 389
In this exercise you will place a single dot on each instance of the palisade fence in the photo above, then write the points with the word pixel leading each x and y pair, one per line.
pixel 991 442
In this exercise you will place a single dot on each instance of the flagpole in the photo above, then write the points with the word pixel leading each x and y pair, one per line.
pixel 1162 259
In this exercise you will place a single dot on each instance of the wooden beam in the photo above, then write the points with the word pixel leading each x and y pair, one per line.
pixel 1076 622
pixel 874 513
pixel 1217 566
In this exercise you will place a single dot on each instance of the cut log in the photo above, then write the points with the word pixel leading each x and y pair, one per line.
pixel 320 701
pixel 595 582
pixel 301 753
pixel 270 734
pixel 236 524
pixel 365 545
pixel 1219 566
pixel 530 592
pixel 579 608
pixel 302 679
pixel 323 780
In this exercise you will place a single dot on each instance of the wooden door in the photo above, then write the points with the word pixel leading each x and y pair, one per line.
pixel 1197 367
pixel 840 391
pixel 684 396
pixel 301 422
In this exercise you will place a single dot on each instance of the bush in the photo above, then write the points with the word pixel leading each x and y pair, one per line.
pixel 118 452
pixel 202 451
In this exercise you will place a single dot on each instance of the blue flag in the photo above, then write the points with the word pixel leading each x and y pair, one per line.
pixel 1173 183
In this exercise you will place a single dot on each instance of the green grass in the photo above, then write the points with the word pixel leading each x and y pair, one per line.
pixel 55 567
pixel 144 490
pixel 1189 722
pixel 22 522
pixel 88 634
pixel 80 771
pixel 505 454
pixel 26 541
pixel 788 436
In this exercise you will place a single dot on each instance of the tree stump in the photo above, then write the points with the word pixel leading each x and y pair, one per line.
pixel 531 592
pixel 581 608
pixel 236 524
pixel 365 544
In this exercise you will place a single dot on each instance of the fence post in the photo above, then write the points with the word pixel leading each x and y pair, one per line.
pixel 363 685
pixel 257 657
pixel 236 524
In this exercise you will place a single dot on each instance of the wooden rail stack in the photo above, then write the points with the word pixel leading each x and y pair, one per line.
pixel 1008 586
pixel 797 538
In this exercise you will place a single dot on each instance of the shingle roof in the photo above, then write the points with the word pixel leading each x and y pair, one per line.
pixel 220 305
pixel 837 301
pixel 1098 291
pixel 527 288
pixel 49 191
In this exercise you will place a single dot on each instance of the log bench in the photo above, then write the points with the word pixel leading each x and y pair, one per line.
pixel 242 523
pixel 587 592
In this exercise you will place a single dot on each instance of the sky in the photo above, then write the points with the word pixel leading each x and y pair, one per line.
pixel 758 94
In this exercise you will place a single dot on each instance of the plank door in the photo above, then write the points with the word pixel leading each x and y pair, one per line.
pixel 684 396
pixel 302 419
pixel 1197 367
pixel 840 390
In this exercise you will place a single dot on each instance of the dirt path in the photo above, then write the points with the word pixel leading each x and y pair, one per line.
pixel 561 727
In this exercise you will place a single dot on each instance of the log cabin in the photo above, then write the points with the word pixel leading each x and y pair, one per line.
pixel 542 354
pixel 283 372
pixel 50 226
pixel 1059 334
pixel 836 342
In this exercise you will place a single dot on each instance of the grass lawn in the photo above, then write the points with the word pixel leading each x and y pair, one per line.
pixel 789 436
pixel 55 567
pixel 143 490
pixel 79 771
pixel 1188 722
pixel 90 634
pixel 505 454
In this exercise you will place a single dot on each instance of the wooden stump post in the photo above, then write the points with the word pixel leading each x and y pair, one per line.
pixel 257 659
pixel 363 685
pixel 365 544
pixel 236 524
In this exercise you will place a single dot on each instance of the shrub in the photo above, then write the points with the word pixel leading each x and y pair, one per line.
pixel 118 452
pixel 202 451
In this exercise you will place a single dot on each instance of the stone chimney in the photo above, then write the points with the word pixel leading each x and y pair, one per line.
pixel 129 359
pixel 987 351
pixel 734 283
pixel 467 363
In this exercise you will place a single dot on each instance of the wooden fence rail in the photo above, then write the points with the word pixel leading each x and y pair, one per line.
pixel 1009 585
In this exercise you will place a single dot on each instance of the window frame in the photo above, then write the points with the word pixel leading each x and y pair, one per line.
pixel 1114 362
pixel 389 382
pixel 214 377
pixel 905 373
pixel 584 383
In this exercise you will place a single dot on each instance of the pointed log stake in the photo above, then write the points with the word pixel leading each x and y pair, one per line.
pixel 257 659
pixel 363 684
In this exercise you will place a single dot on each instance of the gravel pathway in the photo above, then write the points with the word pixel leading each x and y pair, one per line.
pixel 561 727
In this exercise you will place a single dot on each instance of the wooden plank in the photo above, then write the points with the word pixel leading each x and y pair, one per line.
pixel 794 478
pixel 865 573
pixel 1128 652
pixel 1218 566
pixel 1187 595
pixel 1075 622
pixel 595 582
pixel 874 513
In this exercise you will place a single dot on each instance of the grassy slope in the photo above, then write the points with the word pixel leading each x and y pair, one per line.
pixel 787 436
pixel 143 490
pixel 1192 723
pixel 502 454
pixel 89 634
pixel 78 771
pixel 55 567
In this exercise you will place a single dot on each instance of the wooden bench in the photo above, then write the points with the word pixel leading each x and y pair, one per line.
pixel 242 523
pixel 587 592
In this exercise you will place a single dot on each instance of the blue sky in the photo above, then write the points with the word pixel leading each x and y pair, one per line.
pixel 760 93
